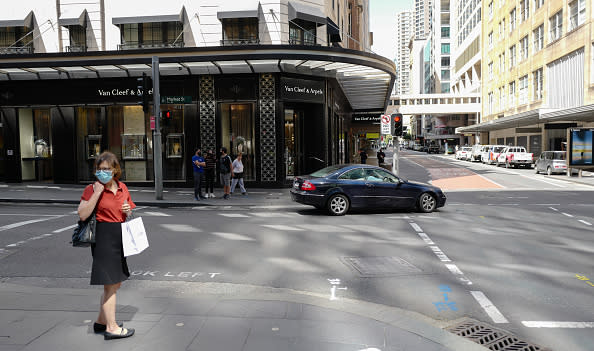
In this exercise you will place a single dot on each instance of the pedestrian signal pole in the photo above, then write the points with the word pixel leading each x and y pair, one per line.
pixel 396 132
pixel 157 154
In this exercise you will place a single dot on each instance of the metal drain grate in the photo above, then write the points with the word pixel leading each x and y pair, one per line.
pixel 381 266
pixel 492 338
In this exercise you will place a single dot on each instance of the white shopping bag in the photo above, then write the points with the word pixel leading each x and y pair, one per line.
pixel 134 237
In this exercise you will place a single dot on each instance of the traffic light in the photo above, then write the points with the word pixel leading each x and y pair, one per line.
pixel 143 84
pixel 397 121
pixel 166 117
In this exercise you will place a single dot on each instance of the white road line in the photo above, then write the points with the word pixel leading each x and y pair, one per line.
pixel 454 269
pixel 282 227
pixel 398 217
pixel 27 214
pixel 442 257
pixel 488 306
pixel 324 228
pixel 156 214
pixel 65 228
pixel 586 223
pixel 553 324
pixel 180 228
pixel 233 236
pixel 416 227
pixel 426 239
pixel 233 215
pixel 20 224
pixel 567 214
pixel 554 209
pixel 272 214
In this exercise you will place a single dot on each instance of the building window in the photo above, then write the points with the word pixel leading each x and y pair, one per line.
pixel 502 98
pixel 491 103
pixel 538 4
pixel 524 10
pixel 502 63
pixel 491 10
pixel 302 32
pixel 537 76
pixel 445 88
pixel 445 61
pixel 16 40
pixel 512 94
pixel 445 48
pixel 523 93
pixel 78 39
pixel 490 70
pixel 556 26
pixel 524 48
pixel 238 31
pixel 577 13
pixel 151 35
pixel 512 20
pixel 445 32
pixel 445 74
pixel 538 35
pixel 491 40
pixel 512 56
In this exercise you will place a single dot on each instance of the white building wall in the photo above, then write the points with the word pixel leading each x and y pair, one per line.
pixel 403 35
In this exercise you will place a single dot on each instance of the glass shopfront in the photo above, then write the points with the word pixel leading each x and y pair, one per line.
pixel 237 134
pixel 35 144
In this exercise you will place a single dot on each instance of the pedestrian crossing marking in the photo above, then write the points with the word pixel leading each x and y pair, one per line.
pixel 156 214
pixel 272 214
pixel 180 228
pixel 233 236
pixel 233 215
pixel 282 227
pixel 324 228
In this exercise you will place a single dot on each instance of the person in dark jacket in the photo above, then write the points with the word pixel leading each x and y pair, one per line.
pixel 210 169
pixel 380 157
pixel 363 156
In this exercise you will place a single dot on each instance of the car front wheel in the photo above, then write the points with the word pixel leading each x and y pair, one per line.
pixel 338 205
pixel 427 203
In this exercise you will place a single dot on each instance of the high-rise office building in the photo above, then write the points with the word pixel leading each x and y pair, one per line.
pixel 422 18
pixel 466 48
pixel 403 35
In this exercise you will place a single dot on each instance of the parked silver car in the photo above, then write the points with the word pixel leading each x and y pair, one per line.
pixel 551 162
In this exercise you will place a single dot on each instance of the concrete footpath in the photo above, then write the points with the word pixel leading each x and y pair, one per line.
pixel 38 313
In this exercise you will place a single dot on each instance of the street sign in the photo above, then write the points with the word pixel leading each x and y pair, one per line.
pixel 176 99
pixel 152 122
pixel 385 129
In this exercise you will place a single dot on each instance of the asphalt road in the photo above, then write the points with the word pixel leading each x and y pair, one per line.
pixel 515 256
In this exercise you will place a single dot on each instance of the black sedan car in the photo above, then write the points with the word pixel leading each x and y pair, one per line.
pixel 339 188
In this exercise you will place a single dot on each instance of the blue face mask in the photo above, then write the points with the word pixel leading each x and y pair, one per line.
pixel 104 176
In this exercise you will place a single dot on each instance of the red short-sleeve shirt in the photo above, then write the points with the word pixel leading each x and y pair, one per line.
pixel 109 207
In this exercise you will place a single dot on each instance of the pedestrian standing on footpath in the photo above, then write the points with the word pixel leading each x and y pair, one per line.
pixel 363 156
pixel 380 157
pixel 238 175
pixel 226 170
pixel 199 165
pixel 209 172
pixel 111 201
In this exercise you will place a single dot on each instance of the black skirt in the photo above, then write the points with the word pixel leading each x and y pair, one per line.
pixel 109 263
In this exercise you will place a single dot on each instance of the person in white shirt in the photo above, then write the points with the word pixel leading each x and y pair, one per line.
pixel 237 175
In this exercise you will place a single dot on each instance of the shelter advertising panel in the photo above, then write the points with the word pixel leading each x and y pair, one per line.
pixel 580 147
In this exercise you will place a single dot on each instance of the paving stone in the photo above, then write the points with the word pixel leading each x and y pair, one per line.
pixel 267 344
pixel 168 335
pixel 400 340
pixel 24 326
pixel 253 309
pixel 222 334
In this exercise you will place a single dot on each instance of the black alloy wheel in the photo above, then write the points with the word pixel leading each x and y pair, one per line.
pixel 338 205
pixel 427 203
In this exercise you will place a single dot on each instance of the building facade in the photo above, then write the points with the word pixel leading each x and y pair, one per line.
pixel 537 68
pixel 466 49
pixel 278 82
pixel 422 18
pixel 403 36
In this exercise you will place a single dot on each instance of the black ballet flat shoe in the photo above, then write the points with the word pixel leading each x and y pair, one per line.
pixel 121 335
pixel 101 328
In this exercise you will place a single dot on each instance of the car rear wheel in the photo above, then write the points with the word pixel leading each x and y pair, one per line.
pixel 338 205
pixel 535 169
pixel 427 203
pixel 549 171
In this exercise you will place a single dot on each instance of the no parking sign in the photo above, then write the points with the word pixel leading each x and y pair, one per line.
pixel 385 129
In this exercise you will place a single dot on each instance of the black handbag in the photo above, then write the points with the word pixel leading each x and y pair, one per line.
pixel 84 233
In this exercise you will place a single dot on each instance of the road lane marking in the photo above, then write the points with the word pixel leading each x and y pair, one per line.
pixel 489 308
pixel 442 257
pixel 416 227
pixel 567 214
pixel 233 236
pixel 233 215
pixel 180 228
pixel 65 228
pixel 325 228
pixel 156 214
pixel 454 269
pixel 554 209
pixel 28 214
pixel 20 224
pixel 426 239
pixel 553 324
pixel 281 227
pixel 272 214
pixel 586 223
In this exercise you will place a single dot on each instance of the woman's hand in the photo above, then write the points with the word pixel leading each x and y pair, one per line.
pixel 126 208
pixel 98 188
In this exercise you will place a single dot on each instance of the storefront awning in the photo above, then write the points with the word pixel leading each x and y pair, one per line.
pixel 239 9
pixel 580 113
pixel 19 20
pixel 307 13
pixel 70 19
pixel 366 79
pixel 333 31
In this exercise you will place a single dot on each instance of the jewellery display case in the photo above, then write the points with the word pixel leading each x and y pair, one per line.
pixel 133 147
pixel 93 146
pixel 174 145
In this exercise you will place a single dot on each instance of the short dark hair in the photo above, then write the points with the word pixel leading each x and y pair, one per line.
pixel 113 162
pixel 224 149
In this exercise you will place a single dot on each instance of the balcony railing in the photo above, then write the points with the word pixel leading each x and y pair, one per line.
pixel 16 50
pixel 76 48
pixel 233 42
pixel 293 41
pixel 149 45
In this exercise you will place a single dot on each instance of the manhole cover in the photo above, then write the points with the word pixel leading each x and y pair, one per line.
pixel 492 338
pixel 380 266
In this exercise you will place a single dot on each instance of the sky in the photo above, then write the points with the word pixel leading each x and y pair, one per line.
pixel 383 24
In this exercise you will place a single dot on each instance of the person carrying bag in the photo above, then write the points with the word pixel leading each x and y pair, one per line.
pixel 111 201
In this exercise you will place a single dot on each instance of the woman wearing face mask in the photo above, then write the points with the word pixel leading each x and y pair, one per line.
pixel 112 202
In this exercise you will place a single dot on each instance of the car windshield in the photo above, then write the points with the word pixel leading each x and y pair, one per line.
pixel 324 172
pixel 466 149
pixel 559 155
pixel 498 148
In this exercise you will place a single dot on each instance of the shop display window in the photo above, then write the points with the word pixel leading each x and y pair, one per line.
pixel 174 145
pixel 93 146
pixel 133 147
